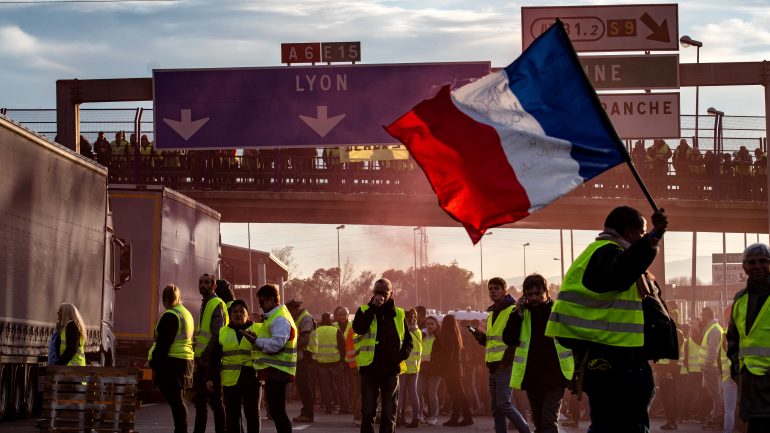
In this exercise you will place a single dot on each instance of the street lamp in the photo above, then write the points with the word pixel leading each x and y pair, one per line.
pixel 416 287
pixel 718 116
pixel 481 268
pixel 556 259
pixel 686 42
pixel 339 267
pixel 525 258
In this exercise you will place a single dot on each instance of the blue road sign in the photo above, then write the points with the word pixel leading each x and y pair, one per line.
pixel 294 106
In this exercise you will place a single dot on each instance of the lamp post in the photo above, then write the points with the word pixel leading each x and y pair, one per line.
pixel 339 267
pixel 481 269
pixel 686 42
pixel 525 258
pixel 718 115
pixel 416 287
pixel 556 259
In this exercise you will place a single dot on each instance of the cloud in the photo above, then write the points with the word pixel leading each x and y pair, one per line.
pixel 30 52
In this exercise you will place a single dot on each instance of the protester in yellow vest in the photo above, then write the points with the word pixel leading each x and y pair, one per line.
pixel 171 355
pixel 232 362
pixel 499 357
pixel 350 376
pixel 276 362
pixel 748 340
pixel 213 316
pixel 329 365
pixel 307 344
pixel 541 366
pixel 599 315
pixel 712 377
pixel 408 379
pixel 72 336
pixel 383 344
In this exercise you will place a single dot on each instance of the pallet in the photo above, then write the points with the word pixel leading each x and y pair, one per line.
pixel 89 400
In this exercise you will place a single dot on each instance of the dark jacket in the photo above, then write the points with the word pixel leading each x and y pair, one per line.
pixel 73 337
pixel 387 355
pixel 169 371
pixel 495 310
pixel 543 370
pixel 755 390
pixel 217 321
pixel 447 358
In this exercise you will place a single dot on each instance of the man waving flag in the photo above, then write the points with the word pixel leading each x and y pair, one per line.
pixel 508 144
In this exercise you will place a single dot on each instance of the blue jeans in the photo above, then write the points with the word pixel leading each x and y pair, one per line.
pixel 730 396
pixel 502 408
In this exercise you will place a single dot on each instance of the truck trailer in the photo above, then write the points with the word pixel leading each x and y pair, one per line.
pixel 56 246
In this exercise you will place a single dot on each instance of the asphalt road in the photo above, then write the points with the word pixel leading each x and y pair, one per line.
pixel 156 418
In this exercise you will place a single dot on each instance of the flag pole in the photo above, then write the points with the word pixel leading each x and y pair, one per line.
pixel 608 123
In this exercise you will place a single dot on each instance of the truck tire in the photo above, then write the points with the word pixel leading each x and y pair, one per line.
pixel 5 391
pixel 19 391
pixel 30 398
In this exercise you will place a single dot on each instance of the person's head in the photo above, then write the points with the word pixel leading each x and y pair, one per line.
pixel 756 262
pixel 450 333
pixel 224 291
pixel 295 307
pixel 497 289
pixel 239 312
pixel 432 325
pixel 411 317
pixel 383 291
pixel 683 142
pixel 422 312
pixel 206 284
pixel 101 135
pixel 326 319
pixel 120 135
pixel 341 314
pixel 707 314
pixel 535 289
pixel 268 297
pixel 68 312
pixel 144 140
pixel 171 296
pixel 626 222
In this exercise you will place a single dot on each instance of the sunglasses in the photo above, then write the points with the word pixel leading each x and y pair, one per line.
pixel 757 261
pixel 379 292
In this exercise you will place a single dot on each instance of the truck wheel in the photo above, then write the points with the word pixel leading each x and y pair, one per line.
pixel 30 399
pixel 19 391
pixel 5 391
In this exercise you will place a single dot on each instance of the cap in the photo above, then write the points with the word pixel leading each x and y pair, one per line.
pixel 757 249
pixel 223 283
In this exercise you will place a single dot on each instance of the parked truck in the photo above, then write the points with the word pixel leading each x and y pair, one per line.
pixel 56 245
pixel 174 239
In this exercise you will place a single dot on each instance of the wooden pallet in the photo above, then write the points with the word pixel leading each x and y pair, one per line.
pixel 89 400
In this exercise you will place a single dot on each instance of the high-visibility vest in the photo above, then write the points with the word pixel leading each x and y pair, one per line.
pixel 413 362
pixel 696 360
pixel 365 343
pixel 427 347
pixel 312 345
pixel 613 318
pixel 350 349
pixel 704 344
pixel 235 354
pixel 566 360
pixel 723 359
pixel 182 346
pixel 286 359
pixel 328 351
pixel 754 345
pixel 79 358
pixel 495 348
pixel 203 330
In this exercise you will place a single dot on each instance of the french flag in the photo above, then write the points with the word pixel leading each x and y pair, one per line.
pixel 510 143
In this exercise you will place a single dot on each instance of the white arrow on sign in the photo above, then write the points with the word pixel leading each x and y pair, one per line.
pixel 186 127
pixel 322 123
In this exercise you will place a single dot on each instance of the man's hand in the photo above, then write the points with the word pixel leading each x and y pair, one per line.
pixel 210 385
pixel 250 336
pixel 377 300
pixel 659 223
pixel 520 303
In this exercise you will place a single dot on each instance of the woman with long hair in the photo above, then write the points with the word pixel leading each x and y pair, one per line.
pixel 429 379
pixel 71 341
pixel 450 349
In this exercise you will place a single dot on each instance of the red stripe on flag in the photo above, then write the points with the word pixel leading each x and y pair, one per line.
pixel 465 164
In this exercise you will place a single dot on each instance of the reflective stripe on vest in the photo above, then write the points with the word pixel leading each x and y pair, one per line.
pixel 495 348
pixel 427 347
pixel 235 354
pixel 413 362
pixel 181 348
pixel 79 358
pixel 704 344
pixel 566 361
pixel 286 359
pixel 203 330
pixel 365 343
pixel 754 345
pixel 328 351
pixel 613 318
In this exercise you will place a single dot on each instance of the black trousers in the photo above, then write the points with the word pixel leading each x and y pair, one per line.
pixel 454 387
pixel 619 395
pixel 545 404
pixel 244 394
pixel 203 398
pixel 386 387
pixel 174 396
pixel 305 385
pixel 275 395
pixel 668 396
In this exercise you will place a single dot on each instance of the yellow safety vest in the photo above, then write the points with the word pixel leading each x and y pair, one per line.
pixel 695 362
pixel 365 343
pixel 182 346
pixel 312 345
pixel 613 318
pixel 724 360
pixel 495 348
pixel 328 351
pixel 566 361
pixel 754 345
pixel 350 353
pixel 413 362
pixel 203 329
pixel 235 354
pixel 704 344
pixel 286 359
pixel 79 358
pixel 427 347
